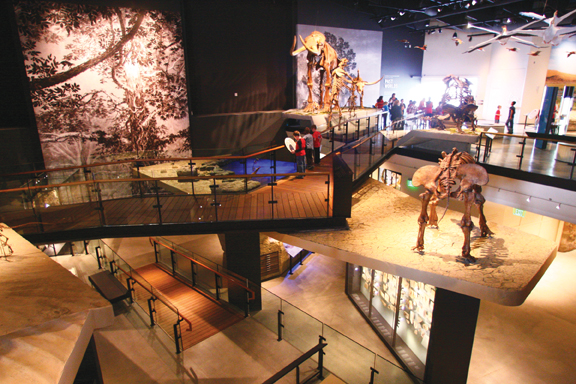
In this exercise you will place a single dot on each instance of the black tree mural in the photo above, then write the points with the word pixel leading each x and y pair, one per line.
pixel 105 82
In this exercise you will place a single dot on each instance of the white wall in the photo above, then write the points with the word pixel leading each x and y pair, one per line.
pixel 503 76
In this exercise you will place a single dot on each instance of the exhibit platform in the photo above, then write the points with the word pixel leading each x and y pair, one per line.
pixel 439 140
pixel 320 120
pixel 384 228
pixel 48 316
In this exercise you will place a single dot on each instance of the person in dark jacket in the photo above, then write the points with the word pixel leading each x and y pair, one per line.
pixel 396 114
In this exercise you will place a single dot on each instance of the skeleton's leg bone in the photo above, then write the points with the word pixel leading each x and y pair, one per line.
pixel 433 215
pixel 467 225
pixel 422 220
pixel 479 200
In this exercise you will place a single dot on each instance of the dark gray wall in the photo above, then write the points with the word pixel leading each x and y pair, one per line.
pixel 405 63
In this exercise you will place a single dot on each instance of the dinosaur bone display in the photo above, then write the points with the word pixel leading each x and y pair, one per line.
pixel 459 91
pixel 438 181
pixel 322 57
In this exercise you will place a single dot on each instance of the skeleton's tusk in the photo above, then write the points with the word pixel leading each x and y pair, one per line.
pixel 375 82
pixel 296 52
pixel 309 48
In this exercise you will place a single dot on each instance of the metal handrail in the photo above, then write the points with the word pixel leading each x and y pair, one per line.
pixel 231 157
pixel 90 182
pixel 229 278
pixel 318 348
pixel 169 305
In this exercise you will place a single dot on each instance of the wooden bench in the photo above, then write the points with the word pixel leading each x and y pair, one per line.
pixel 109 287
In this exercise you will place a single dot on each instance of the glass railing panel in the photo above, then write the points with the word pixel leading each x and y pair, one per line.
pixel 300 329
pixel 206 280
pixel 164 257
pixel 183 267
pixel 347 359
pixel 17 211
pixel 389 373
pixel 268 315
pixel 166 318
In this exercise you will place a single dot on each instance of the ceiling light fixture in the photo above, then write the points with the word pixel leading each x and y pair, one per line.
pixel 469 25
pixel 455 35
pixel 470 38
pixel 467 5
pixel 401 13
pixel 473 2
pixel 393 18
pixel 558 206
pixel 508 21
pixel 529 198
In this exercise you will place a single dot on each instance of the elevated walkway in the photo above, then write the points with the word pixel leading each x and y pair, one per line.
pixel 207 316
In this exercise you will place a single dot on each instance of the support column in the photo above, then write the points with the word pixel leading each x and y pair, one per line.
pixel 451 337
pixel 242 256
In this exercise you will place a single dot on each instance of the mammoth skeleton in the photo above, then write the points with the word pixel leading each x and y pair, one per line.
pixel 323 58
pixel 438 181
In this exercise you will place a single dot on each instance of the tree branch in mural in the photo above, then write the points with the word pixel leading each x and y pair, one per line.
pixel 438 181
pixel 104 81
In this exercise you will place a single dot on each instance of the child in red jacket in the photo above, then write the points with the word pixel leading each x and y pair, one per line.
pixel 317 136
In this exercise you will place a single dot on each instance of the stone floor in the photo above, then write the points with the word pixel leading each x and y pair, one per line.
pixel 532 343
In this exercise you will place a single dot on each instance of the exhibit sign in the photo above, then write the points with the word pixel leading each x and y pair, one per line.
pixel 105 82
pixel 518 212
pixel 362 48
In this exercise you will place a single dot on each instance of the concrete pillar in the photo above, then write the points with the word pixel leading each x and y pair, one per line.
pixel 242 256
pixel 451 337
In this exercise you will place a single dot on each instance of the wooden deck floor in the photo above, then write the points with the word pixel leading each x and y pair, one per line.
pixel 290 199
pixel 206 315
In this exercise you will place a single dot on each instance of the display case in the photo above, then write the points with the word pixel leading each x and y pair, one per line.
pixel 400 309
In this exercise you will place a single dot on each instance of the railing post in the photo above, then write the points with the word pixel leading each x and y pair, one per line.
pixel 573 163
pixel 178 336
pixel 355 162
pixel 273 166
pixel 156 251
pixel 272 201
pixel 331 132
pixel 321 360
pixel 327 182
pixel 152 310
pixel 97 249
pixel 113 268
pixel 521 156
pixel 346 134
pixel 280 325
pixel 130 288
pixel 173 262
pixel 479 147
pixel 368 126
pixel 158 205
pixel 247 309
pixel 139 177
pixel 87 178
pixel 215 203
pixel 100 207
pixel 372 373
pixel 191 164
pixel 297 374
pixel 290 258
pixel 245 162
pixel 217 277
pixel 192 264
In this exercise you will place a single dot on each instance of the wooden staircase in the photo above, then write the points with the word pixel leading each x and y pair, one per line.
pixel 207 316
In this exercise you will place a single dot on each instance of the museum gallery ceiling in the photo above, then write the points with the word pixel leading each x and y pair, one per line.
pixel 417 14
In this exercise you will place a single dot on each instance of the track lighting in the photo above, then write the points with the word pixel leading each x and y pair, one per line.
pixel 529 198
pixel 508 21
pixel 469 38
pixel 473 2
pixel 455 35
pixel 558 206
pixel 393 18
pixel 439 30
